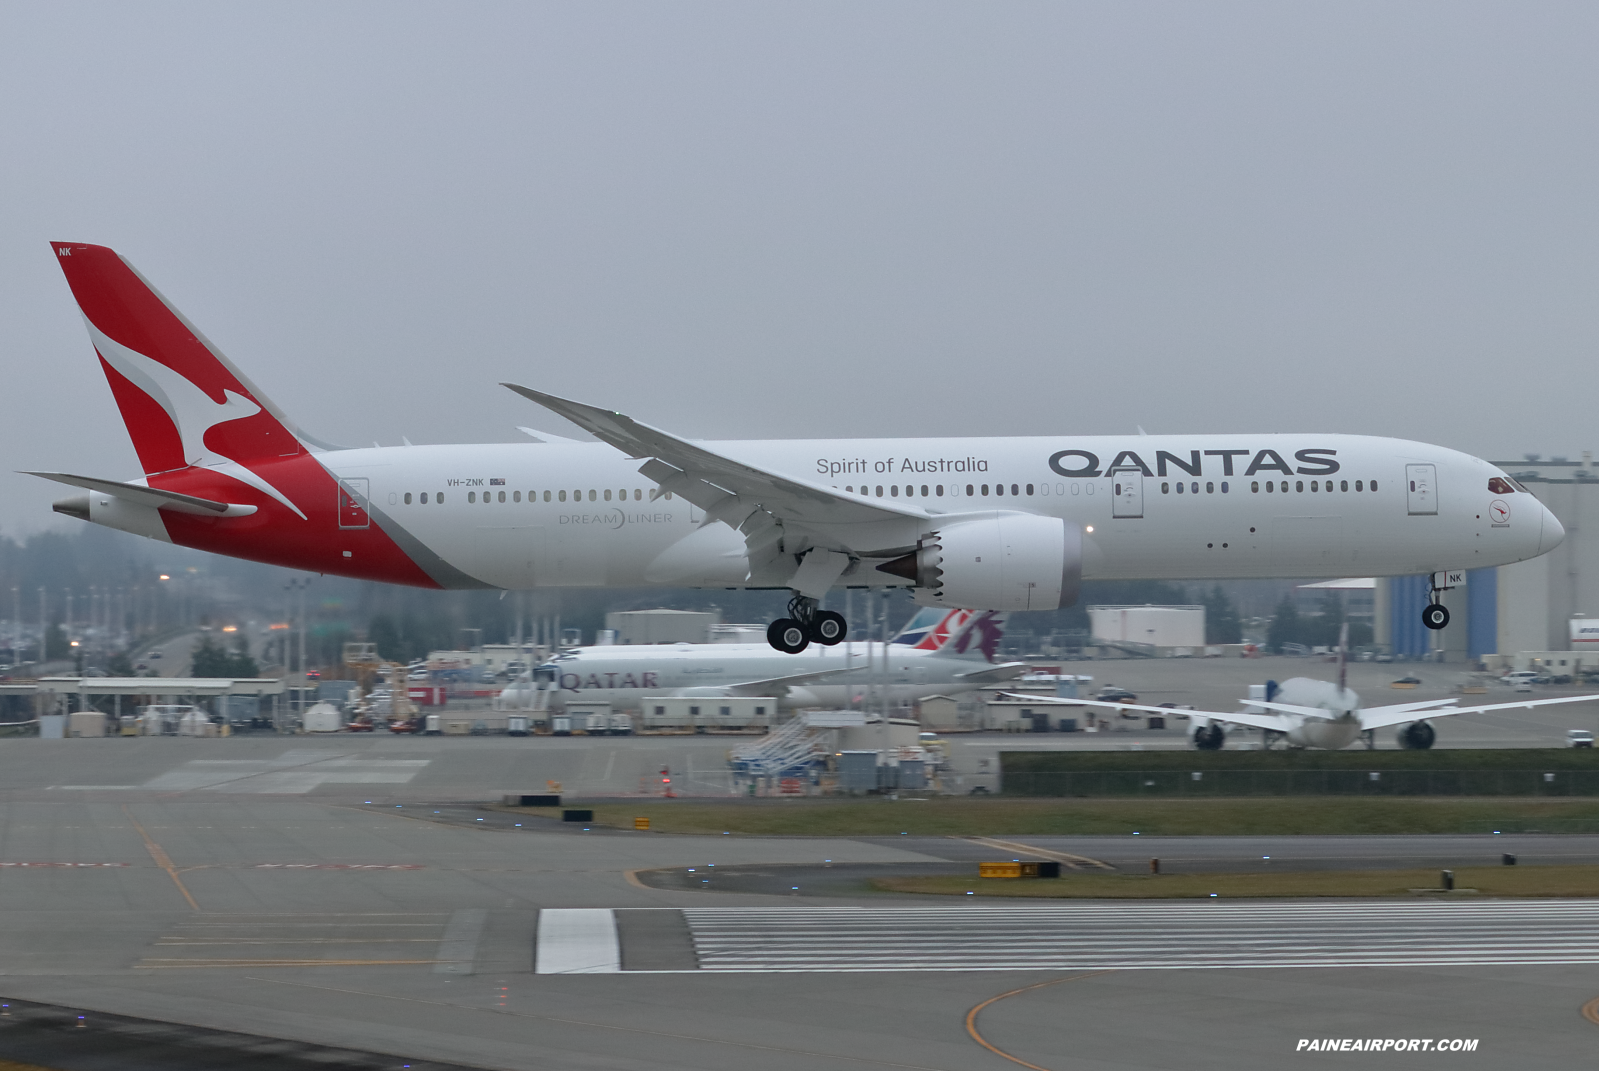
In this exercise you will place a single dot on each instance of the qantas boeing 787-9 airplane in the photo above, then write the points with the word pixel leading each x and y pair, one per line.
pixel 1003 523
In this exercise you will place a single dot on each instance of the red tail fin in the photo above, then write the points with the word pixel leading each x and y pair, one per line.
pixel 183 402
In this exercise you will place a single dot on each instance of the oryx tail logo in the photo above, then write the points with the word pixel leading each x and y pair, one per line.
pixel 982 634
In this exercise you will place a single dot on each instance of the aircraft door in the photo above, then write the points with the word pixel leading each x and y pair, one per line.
pixel 353 500
pixel 1421 489
pixel 1128 489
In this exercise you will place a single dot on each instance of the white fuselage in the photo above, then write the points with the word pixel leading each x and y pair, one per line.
pixel 1339 728
pixel 581 515
pixel 624 676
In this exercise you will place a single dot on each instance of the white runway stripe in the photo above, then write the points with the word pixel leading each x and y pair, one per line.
pixel 1130 936
pixel 577 941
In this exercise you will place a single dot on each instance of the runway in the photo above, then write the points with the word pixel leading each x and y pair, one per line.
pixel 1144 936
pixel 254 890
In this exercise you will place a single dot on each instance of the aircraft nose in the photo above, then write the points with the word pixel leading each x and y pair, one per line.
pixel 1554 533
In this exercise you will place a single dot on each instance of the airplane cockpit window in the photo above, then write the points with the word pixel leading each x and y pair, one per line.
pixel 1500 486
pixel 1518 485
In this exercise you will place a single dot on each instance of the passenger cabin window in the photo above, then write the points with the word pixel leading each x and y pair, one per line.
pixel 547 496
pixel 424 499
pixel 563 495
pixel 407 498
pixel 502 496
pixel 1374 485
pixel 1358 486
pixel 471 496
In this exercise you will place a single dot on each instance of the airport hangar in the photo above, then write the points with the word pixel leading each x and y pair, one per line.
pixel 1519 612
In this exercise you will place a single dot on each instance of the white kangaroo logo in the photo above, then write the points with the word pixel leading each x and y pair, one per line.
pixel 192 410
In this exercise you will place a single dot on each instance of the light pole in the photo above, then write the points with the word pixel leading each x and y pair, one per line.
pixel 298 584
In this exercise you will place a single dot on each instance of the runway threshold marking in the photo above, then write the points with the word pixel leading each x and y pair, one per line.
pixel 193 964
pixel 578 940
pixel 971 1016
pixel 1075 862
pixel 161 858
pixel 1590 1010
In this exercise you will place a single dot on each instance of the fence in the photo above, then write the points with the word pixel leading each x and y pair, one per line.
pixel 1301 782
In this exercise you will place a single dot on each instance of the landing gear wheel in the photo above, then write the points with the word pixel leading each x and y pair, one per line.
pixel 787 635
pixel 828 628
pixel 1435 616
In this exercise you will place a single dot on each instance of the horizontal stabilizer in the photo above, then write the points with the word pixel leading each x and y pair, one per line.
pixel 149 496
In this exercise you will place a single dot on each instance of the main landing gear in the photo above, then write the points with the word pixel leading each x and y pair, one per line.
pixel 804 625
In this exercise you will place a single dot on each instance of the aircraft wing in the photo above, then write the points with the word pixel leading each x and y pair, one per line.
pixel 1259 721
pixel 989 674
pixel 759 503
pixel 1386 716
pixel 779 686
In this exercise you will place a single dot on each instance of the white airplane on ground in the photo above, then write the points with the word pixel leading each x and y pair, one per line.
pixel 1320 714
pixel 1005 523
pixel 938 652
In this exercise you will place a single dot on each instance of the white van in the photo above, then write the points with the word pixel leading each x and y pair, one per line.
pixel 1520 676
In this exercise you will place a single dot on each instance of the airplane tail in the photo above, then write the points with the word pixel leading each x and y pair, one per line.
pixel 183 402
pixel 930 628
pixel 977 637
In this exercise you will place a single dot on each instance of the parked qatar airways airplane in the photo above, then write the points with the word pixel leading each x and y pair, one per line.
pixel 1005 523
pixel 938 652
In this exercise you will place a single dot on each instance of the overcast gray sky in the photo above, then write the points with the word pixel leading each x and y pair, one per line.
pixel 815 219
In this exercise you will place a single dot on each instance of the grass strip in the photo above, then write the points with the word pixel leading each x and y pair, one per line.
pixel 1486 881
pixel 965 816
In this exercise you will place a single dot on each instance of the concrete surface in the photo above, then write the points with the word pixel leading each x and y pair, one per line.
pixel 246 885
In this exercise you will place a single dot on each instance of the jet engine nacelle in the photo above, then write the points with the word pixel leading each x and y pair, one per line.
pixel 1417 736
pixel 996 561
pixel 1210 737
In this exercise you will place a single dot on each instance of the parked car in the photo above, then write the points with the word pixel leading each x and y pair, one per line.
pixel 1518 675
pixel 1111 694
pixel 1579 738
pixel 1407 682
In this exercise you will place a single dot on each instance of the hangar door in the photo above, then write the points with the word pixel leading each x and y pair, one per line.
pixel 1421 489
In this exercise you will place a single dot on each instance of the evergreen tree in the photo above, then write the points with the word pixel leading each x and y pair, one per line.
pixel 120 665
pixel 1286 626
pixel 1222 624
pixel 241 664
pixel 209 659
pixel 56 644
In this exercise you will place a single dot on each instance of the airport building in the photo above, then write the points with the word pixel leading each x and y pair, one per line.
pixel 1534 607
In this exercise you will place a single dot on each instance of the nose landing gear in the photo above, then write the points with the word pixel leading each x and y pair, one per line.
pixel 1435 615
pixel 804 625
